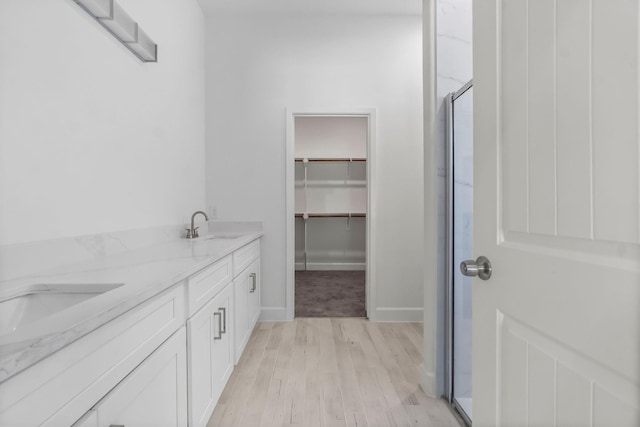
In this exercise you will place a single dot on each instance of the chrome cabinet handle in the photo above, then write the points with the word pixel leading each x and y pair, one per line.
pixel 116 425
pixel 224 322
pixel 254 280
pixel 219 337
pixel 480 267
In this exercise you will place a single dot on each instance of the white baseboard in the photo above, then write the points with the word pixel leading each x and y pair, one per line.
pixel 382 314
pixel 397 314
pixel 327 266
pixel 273 314
pixel 428 383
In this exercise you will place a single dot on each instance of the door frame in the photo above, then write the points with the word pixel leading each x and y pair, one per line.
pixel 291 114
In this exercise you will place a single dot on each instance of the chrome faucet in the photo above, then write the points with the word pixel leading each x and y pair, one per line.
pixel 192 232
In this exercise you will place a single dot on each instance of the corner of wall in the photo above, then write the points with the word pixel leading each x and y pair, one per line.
pixel 432 364
pixel 428 383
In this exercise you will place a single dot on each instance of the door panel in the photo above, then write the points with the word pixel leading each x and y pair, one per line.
pixel 558 382
pixel 254 290
pixel 201 329
pixel 559 165
pixel 154 394
pixel 556 209
pixel 210 355
pixel 572 120
pixel 615 118
pixel 223 361
pixel 241 313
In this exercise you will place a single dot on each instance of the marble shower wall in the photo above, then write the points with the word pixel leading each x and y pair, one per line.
pixel 454 68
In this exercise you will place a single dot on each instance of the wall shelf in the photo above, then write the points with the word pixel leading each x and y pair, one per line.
pixel 332 215
pixel 330 159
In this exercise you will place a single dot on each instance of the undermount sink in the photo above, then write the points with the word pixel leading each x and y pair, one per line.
pixel 223 236
pixel 35 302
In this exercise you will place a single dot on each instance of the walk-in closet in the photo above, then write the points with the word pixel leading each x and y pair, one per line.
pixel 331 215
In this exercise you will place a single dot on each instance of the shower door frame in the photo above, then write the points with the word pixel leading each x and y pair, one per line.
pixel 449 100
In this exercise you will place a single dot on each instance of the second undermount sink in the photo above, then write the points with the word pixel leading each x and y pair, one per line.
pixel 35 302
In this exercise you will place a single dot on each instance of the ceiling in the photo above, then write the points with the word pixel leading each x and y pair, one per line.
pixel 320 7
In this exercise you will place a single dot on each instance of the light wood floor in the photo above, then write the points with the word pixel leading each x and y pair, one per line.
pixel 330 372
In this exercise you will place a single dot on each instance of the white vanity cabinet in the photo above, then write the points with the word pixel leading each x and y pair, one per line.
pixel 210 361
pixel 153 395
pixel 163 363
pixel 215 326
pixel 247 295
pixel 60 389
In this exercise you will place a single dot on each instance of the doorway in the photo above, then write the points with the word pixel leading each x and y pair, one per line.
pixel 329 195
pixel 331 211
pixel 460 185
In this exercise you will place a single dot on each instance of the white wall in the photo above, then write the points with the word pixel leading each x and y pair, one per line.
pixel 91 139
pixel 331 137
pixel 259 65
pixel 448 66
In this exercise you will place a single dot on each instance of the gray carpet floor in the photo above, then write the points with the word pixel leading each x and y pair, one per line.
pixel 330 294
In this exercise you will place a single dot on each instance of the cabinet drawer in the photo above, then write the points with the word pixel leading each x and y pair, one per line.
pixel 244 256
pixel 58 390
pixel 206 284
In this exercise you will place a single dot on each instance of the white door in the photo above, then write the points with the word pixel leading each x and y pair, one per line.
pixel 556 329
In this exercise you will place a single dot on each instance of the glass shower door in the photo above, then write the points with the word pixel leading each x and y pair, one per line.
pixel 462 221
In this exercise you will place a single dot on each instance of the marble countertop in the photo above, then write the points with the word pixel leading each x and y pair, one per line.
pixel 143 273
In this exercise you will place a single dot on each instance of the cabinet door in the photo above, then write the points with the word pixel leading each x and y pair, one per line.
pixel 241 313
pixel 223 347
pixel 154 394
pixel 90 419
pixel 210 356
pixel 247 305
pixel 254 294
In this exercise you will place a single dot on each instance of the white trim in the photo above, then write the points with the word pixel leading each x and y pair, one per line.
pixel 428 383
pixel 342 266
pixel 399 314
pixel 290 220
pixel 273 314
pixel 291 114
pixel 433 350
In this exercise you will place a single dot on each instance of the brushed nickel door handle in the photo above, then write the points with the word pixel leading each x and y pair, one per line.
pixel 480 267
pixel 224 321
pixel 219 337
pixel 254 280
